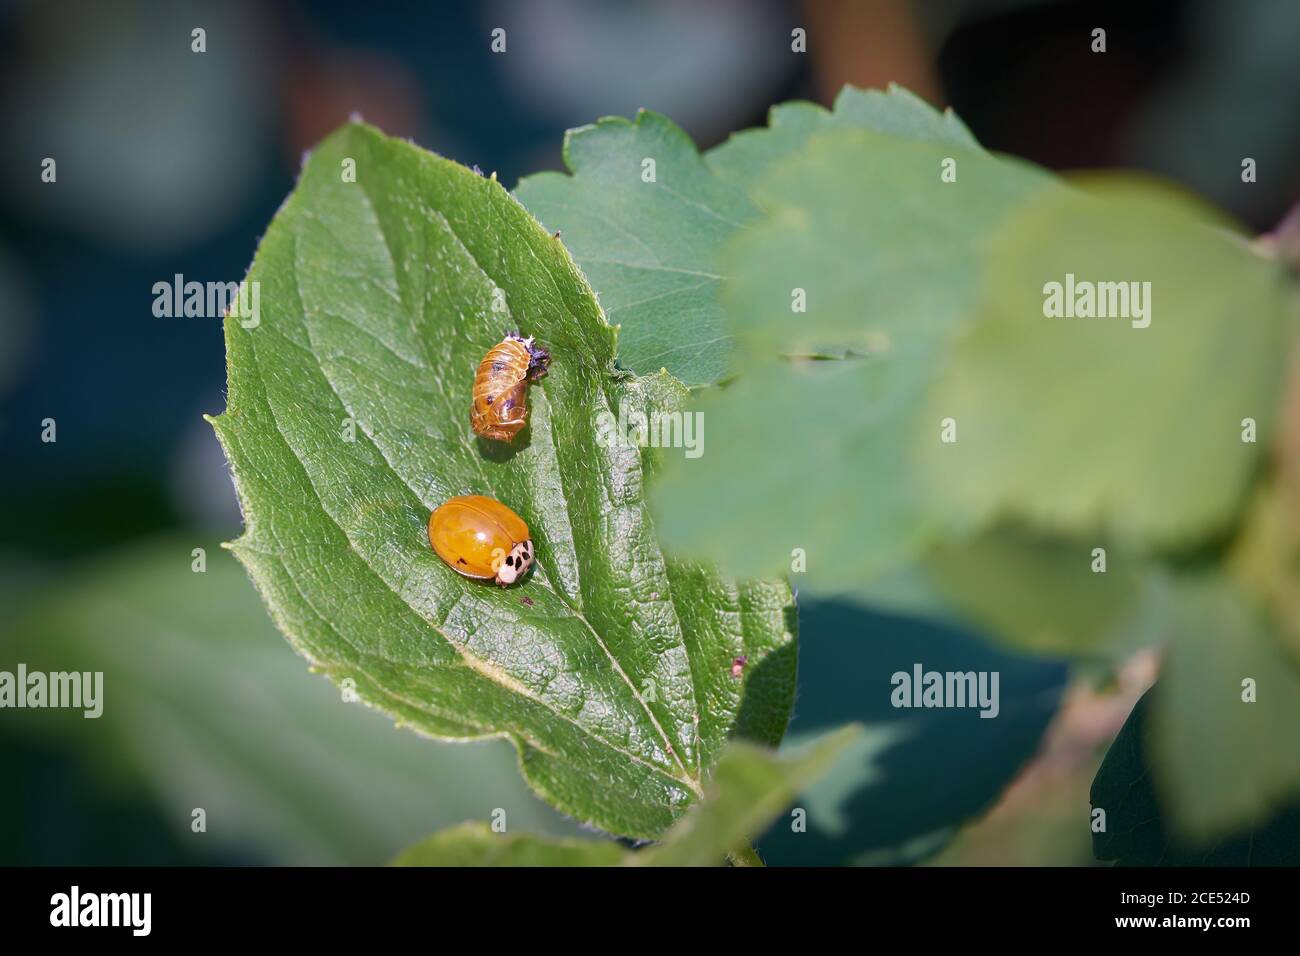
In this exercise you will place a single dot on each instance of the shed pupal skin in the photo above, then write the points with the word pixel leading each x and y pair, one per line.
pixel 498 407
pixel 516 563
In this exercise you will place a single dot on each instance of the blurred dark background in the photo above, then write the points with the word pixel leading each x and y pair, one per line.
pixel 170 161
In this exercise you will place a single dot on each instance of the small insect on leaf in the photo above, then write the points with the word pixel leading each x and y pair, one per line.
pixel 499 410
pixel 479 537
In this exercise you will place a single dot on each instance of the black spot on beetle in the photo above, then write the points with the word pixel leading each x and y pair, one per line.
pixel 460 560
pixel 510 561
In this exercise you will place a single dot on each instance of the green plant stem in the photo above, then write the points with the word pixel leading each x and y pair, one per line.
pixel 746 856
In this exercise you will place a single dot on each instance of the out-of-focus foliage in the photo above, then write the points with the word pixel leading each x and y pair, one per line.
pixel 477 844
pixel 749 786
pixel 943 311
pixel 914 777
pixel 1139 831
pixel 1223 102
pixel 1026 587
pixel 204 706
pixel 139 123
pixel 1224 715
pixel 1093 426
pixel 15 325
pixel 1036 472
pixel 888 259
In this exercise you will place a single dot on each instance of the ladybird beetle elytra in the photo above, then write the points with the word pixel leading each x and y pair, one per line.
pixel 481 538
pixel 499 409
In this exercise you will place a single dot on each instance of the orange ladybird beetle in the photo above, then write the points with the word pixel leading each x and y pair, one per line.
pixel 480 537
pixel 501 384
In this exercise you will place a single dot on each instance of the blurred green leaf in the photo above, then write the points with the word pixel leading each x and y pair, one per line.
pixel 803 470
pixel 940 316
pixel 1139 831
pixel 378 299
pixel 1220 761
pixel 1049 594
pixel 1201 772
pixel 205 706
pixel 887 253
pixel 1092 425
pixel 475 844
pixel 906 785
pixel 749 787
pixel 890 259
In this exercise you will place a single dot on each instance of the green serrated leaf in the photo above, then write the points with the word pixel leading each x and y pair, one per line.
pixel 348 422
pixel 1099 425
pixel 651 248
pixel 646 246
